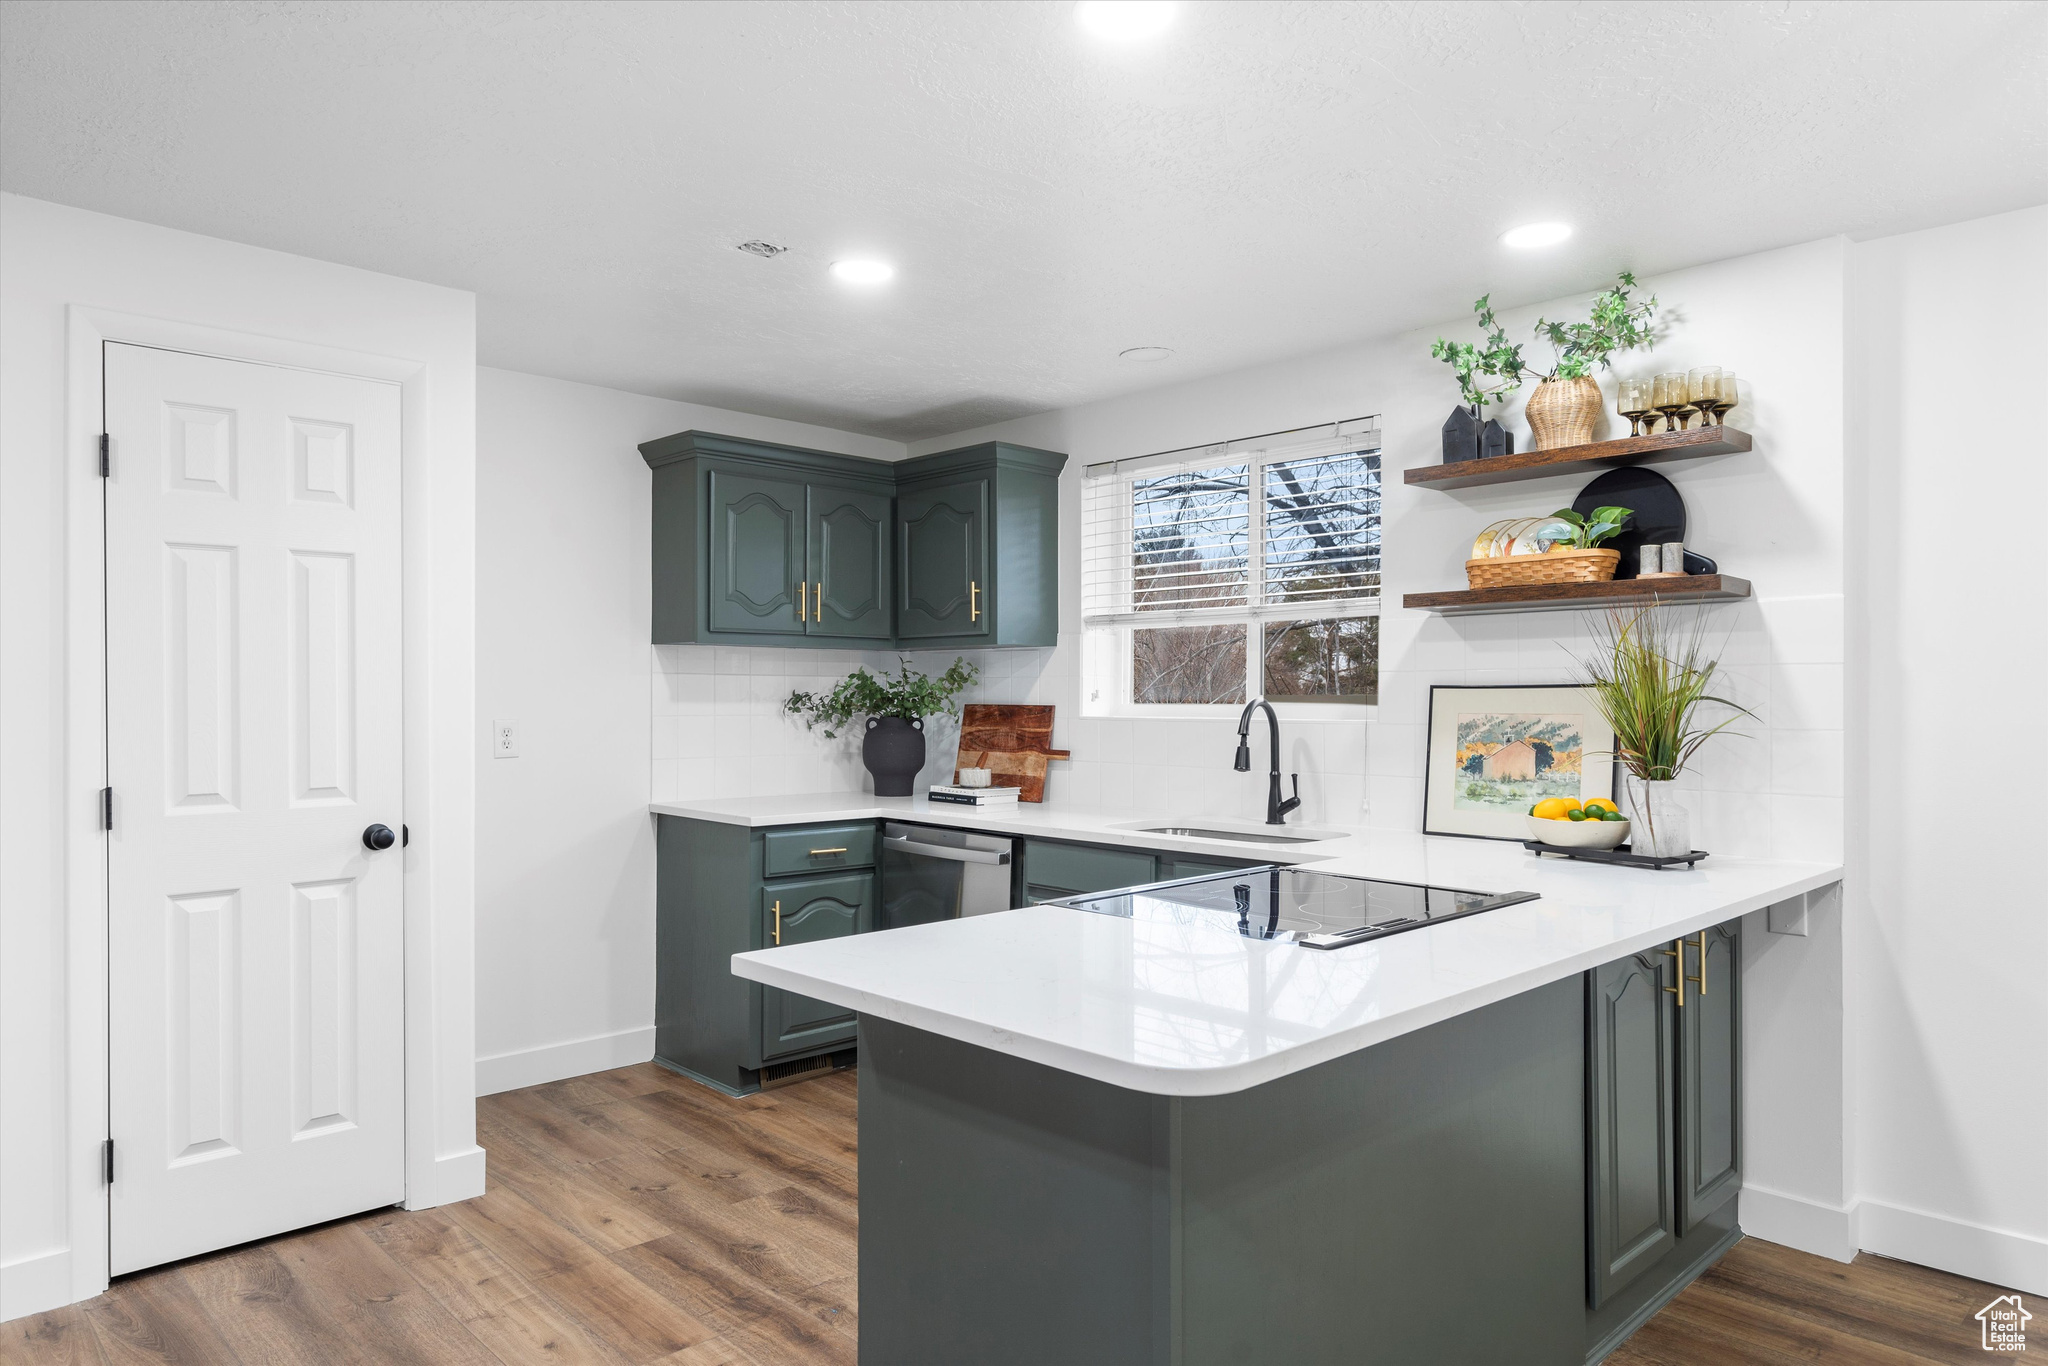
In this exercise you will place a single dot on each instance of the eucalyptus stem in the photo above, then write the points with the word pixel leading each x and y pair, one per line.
pixel 909 695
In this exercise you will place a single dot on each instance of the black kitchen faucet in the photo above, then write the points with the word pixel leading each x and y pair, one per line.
pixel 1276 809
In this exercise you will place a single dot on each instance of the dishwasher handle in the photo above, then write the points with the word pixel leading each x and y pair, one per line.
pixel 903 844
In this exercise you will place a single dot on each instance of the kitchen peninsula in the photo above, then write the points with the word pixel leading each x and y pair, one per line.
pixel 1142 1138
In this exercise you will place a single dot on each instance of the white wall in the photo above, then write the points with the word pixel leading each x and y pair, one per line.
pixel 1950 1009
pixel 565 855
pixel 68 277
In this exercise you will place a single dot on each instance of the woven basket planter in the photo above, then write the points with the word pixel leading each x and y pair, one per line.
pixel 1561 566
pixel 1562 412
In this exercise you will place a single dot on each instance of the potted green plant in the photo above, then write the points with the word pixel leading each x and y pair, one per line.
pixel 1649 675
pixel 892 745
pixel 1567 399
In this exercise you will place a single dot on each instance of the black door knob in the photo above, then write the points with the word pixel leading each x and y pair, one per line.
pixel 379 837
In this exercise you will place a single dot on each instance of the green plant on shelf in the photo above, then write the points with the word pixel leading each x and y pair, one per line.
pixel 1488 372
pixel 1589 532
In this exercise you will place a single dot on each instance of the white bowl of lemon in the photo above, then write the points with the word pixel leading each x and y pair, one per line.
pixel 1572 824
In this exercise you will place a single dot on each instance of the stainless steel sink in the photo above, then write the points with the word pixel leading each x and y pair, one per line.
pixel 1244 836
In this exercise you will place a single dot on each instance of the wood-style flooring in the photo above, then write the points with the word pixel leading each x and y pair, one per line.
pixel 636 1217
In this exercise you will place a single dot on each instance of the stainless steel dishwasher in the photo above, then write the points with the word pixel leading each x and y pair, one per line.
pixel 932 874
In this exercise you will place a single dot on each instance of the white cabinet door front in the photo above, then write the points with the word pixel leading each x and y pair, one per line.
pixel 256 1027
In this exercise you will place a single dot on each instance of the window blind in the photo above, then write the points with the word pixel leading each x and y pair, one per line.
pixel 1243 529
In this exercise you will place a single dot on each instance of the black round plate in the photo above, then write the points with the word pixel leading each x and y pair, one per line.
pixel 1659 512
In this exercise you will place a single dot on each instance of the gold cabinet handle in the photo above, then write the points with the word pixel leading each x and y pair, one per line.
pixel 818 609
pixel 1702 978
pixel 973 601
pixel 778 923
pixel 803 596
pixel 816 853
pixel 1677 950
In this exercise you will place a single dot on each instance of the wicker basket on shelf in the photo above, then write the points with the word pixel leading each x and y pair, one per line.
pixel 1560 566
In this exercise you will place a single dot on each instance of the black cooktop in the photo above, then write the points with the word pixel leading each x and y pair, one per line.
pixel 1314 910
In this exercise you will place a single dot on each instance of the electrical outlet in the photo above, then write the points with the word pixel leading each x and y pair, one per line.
pixel 504 739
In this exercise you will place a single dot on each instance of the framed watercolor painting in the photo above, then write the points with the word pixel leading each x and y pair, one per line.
pixel 1495 752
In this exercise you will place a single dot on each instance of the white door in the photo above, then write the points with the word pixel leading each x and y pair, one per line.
pixel 256 1027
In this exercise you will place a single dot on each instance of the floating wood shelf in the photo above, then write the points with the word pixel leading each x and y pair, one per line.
pixel 1567 597
pixel 1600 455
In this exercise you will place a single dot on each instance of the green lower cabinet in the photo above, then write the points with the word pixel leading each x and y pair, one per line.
pixel 1629 1147
pixel 1664 1126
pixel 1710 1069
pixel 1054 870
pixel 802 911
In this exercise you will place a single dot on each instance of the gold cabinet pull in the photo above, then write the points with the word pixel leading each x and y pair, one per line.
pixel 817 853
pixel 778 923
pixel 818 610
pixel 1677 950
pixel 803 596
pixel 973 601
pixel 1702 978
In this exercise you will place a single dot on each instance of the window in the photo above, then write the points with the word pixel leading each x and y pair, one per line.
pixel 1250 567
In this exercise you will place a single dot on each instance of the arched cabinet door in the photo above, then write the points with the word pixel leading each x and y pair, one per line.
pixel 809 909
pixel 849 563
pixel 1629 1102
pixel 942 582
pixel 1709 1078
pixel 757 554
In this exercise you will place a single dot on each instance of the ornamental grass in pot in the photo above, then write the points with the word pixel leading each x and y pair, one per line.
pixel 895 709
pixel 1650 675
pixel 1566 403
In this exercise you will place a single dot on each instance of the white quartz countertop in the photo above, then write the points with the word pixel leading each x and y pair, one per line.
pixel 1191 1010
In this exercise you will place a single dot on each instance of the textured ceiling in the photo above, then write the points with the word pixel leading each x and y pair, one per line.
pixel 1266 179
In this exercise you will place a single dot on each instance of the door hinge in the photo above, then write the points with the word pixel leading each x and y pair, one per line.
pixel 107 1162
pixel 106 456
pixel 106 808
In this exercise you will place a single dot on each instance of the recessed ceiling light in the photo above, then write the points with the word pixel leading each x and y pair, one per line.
pixel 1124 21
pixel 1535 235
pixel 1146 353
pixel 759 248
pixel 862 272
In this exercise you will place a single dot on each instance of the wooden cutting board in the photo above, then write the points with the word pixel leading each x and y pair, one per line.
pixel 1013 742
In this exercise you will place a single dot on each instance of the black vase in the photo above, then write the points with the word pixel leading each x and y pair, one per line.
pixel 894 752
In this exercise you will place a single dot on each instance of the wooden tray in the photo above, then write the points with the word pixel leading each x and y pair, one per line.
pixel 1619 854
pixel 1014 742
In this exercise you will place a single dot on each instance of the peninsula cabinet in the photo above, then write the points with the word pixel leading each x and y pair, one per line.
pixel 726 889
pixel 1664 1125
pixel 770 545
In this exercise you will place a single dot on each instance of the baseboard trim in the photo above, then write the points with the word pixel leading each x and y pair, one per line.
pixel 35 1285
pixel 554 1062
pixel 1624 1330
pixel 1795 1222
pixel 2012 1261
pixel 458 1176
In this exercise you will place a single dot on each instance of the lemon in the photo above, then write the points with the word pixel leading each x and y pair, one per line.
pixel 1550 809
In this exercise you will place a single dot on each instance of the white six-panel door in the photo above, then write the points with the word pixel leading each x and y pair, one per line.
pixel 254 731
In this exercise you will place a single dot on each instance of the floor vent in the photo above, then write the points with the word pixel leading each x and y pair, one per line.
pixel 803 1069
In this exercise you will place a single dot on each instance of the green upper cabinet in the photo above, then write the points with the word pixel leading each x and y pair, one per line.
pixel 761 544
pixel 943 545
pixel 977 547
pixel 757 554
pixel 847 554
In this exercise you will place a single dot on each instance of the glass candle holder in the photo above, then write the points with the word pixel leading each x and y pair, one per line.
pixel 1703 390
pixel 1726 397
pixel 1632 401
pixel 1667 396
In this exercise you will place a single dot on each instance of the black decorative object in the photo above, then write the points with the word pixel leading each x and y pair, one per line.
pixel 1659 512
pixel 1696 563
pixel 1495 439
pixel 1461 435
pixel 1620 854
pixel 893 751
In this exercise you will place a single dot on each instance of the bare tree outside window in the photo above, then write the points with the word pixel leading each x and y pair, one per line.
pixel 1335 659
pixel 1188 664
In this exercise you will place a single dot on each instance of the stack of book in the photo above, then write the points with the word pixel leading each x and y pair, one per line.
pixel 973 796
